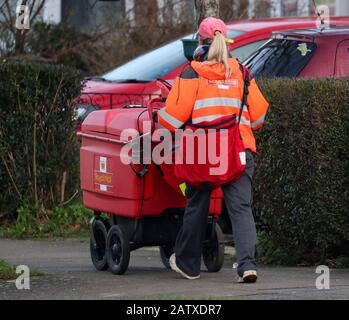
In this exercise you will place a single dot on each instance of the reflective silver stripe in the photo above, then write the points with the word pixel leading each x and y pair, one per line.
pixel 245 121
pixel 215 117
pixel 218 102
pixel 170 119
pixel 258 122
pixel 208 118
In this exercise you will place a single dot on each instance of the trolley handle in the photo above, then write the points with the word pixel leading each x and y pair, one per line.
pixel 152 109
pixel 165 88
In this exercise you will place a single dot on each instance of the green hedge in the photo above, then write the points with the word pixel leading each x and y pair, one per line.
pixel 302 178
pixel 39 150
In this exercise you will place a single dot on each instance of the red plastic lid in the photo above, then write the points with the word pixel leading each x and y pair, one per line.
pixel 114 121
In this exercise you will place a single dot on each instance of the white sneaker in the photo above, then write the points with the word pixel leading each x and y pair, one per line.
pixel 249 276
pixel 175 268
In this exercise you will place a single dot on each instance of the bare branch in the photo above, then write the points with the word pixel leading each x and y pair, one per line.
pixel 5 10
pixel 38 10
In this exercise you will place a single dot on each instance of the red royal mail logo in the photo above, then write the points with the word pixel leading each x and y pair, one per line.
pixel 103 178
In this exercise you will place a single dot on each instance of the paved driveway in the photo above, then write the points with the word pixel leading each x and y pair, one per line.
pixel 69 274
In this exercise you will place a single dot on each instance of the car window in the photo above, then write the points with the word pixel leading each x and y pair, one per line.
pixel 155 64
pixel 234 33
pixel 281 58
pixel 152 65
pixel 242 53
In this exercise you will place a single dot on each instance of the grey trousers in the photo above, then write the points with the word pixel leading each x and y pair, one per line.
pixel 238 200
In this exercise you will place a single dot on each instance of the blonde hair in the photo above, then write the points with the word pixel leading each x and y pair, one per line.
pixel 218 53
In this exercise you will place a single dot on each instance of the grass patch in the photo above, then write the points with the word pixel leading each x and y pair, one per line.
pixel 230 257
pixel 338 263
pixel 62 222
pixel 8 272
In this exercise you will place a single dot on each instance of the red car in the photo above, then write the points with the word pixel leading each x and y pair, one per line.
pixel 134 83
pixel 307 53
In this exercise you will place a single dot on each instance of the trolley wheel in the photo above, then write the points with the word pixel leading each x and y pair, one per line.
pixel 213 251
pixel 118 250
pixel 98 251
pixel 165 254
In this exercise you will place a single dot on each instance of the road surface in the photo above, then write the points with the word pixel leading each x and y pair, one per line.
pixel 69 274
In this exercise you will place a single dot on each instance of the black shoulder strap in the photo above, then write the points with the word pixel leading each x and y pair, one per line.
pixel 246 75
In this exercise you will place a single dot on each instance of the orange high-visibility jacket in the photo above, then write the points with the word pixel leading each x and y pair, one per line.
pixel 201 93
